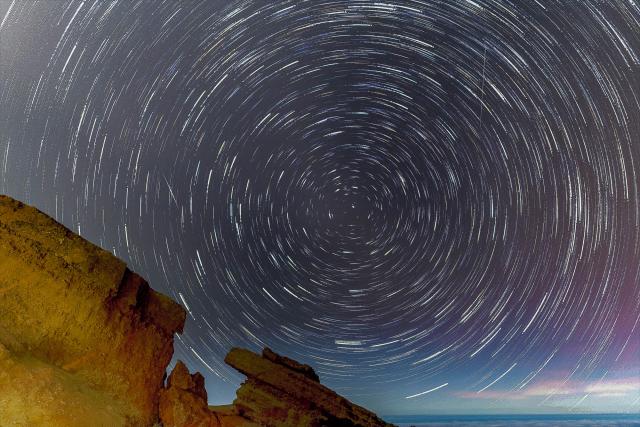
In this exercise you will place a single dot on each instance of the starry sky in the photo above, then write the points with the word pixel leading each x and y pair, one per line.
pixel 434 203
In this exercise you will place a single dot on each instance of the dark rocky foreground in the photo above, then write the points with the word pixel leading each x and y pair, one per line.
pixel 86 342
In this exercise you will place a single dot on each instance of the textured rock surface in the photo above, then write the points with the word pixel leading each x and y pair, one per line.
pixel 36 393
pixel 281 393
pixel 86 342
pixel 184 400
pixel 76 328
pixel 183 403
pixel 305 370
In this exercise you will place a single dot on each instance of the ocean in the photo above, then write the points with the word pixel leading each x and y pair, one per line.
pixel 564 420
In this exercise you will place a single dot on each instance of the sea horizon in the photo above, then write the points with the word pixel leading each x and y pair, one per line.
pixel 527 420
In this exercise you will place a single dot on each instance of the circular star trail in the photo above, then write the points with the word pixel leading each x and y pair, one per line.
pixel 409 195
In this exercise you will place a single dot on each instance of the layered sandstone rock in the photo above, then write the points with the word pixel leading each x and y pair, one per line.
pixel 183 403
pixel 280 392
pixel 84 340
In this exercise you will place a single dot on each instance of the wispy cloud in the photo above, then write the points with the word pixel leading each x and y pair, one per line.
pixel 603 388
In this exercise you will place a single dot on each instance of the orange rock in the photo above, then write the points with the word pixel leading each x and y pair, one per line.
pixel 280 395
pixel 184 402
pixel 86 342
pixel 305 370
pixel 67 305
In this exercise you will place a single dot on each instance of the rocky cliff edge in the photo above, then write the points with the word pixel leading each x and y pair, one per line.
pixel 86 342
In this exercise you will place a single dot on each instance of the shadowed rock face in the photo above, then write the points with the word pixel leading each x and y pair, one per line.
pixel 305 370
pixel 184 401
pixel 86 342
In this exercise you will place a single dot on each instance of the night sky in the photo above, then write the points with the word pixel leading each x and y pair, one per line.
pixel 434 203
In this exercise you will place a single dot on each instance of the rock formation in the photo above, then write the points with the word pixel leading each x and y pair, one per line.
pixel 86 342
pixel 278 392
pixel 77 328
pixel 281 392
pixel 184 403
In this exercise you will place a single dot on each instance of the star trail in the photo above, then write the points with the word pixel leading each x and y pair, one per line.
pixel 436 204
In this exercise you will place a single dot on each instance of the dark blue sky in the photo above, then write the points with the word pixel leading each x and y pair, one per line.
pixel 434 203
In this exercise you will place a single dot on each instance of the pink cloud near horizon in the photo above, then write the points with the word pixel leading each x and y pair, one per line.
pixel 602 388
